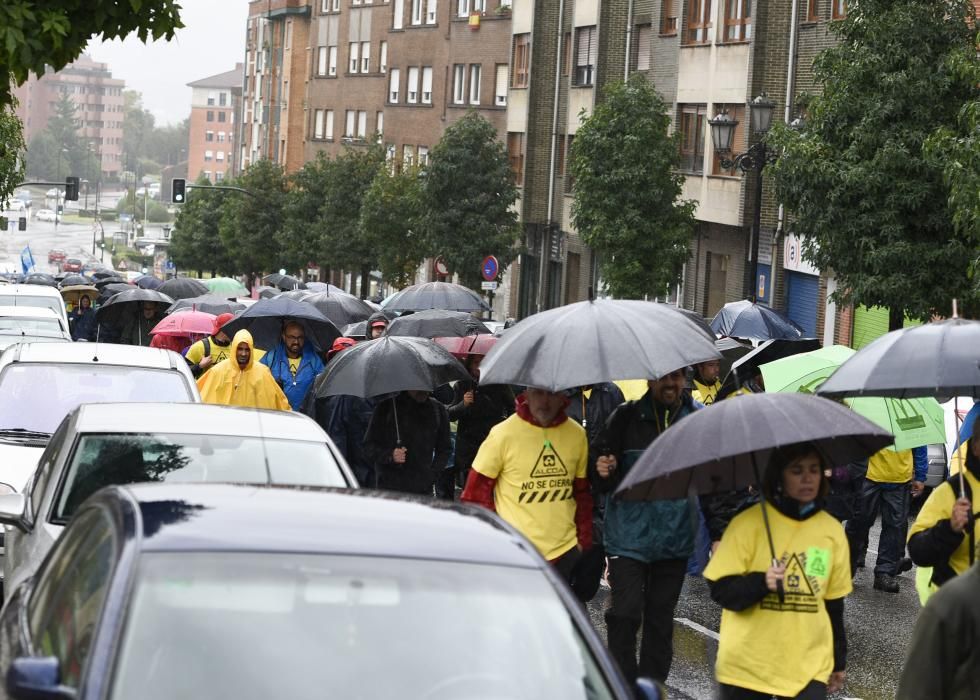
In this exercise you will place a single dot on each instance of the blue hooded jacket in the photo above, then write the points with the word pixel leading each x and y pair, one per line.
pixel 296 388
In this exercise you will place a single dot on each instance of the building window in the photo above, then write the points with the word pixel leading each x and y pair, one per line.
pixel 692 138
pixel 321 61
pixel 328 130
pixel 479 6
pixel 399 14
pixel 350 116
pixel 459 84
pixel 210 99
pixel 416 12
pixel 362 125
pixel 318 120
pixel 332 60
pixel 209 136
pixel 222 99
pixel 462 8
pixel 336 5
pixel 352 49
pixel 219 176
pixel 738 20
pixel 222 116
pixel 476 73
pixel 365 56
pixel 412 88
pixel 813 10
pixel 838 9
pixel 668 17
pixel 736 112
pixel 427 85
pixel 431 11
pixel 393 89
pixel 423 156
pixel 379 123
pixel 408 156
pixel 500 86
pixel 515 154
pixel 219 155
pixel 383 57
pixel 698 21
pixel 208 156
pixel 522 61
pixel 586 49
pixel 221 137
pixel 643 34
pixel 207 175
pixel 210 116
pixel 324 7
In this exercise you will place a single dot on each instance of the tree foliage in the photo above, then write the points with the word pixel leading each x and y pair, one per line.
pixel 304 225
pixel 196 242
pixel 391 224
pixel 469 196
pixel 627 202
pixel 40 36
pixel 60 150
pixel 870 200
pixel 251 225
pixel 11 152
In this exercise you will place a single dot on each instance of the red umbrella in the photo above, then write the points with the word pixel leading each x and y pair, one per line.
pixel 185 324
pixel 460 348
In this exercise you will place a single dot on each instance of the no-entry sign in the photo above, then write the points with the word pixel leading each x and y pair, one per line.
pixel 490 268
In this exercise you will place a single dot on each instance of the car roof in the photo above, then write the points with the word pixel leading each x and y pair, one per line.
pixel 90 353
pixel 215 517
pixel 196 419
pixel 28 312
pixel 32 290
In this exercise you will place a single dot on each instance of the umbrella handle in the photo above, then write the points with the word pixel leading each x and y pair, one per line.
pixel 398 432
pixel 780 591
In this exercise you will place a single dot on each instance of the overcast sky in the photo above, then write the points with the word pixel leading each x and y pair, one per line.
pixel 211 42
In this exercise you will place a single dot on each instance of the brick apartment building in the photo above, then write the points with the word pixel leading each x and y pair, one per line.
pixel 212 141
pixel 98 98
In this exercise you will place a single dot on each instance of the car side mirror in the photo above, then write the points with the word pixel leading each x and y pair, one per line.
pixel 13 510
pixel 649 689
pixel 37 678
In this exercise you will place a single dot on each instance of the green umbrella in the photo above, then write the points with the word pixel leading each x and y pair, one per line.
pixel 913 422
pixel 226 287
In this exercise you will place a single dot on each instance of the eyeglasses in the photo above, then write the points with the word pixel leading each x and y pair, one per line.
pixel 295 337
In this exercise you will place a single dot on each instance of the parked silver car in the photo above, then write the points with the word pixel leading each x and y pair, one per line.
pixel 111 444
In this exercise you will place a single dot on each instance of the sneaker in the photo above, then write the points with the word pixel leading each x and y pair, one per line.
pixel 886 583
pixel 904 564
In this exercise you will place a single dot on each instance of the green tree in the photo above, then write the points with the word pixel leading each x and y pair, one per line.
pixel 870 200
pixel 250 226
pixel 196 243
pixel 12 148
pixel 138 125
pixel 392 221
pixel 37 37
pixel 627 202
pixel 304 224
pixel 60 150
pixel 469 196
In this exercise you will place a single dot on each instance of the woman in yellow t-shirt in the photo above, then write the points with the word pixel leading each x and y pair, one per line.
pixel 788 643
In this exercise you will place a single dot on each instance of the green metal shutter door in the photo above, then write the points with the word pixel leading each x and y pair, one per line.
pixel 869 324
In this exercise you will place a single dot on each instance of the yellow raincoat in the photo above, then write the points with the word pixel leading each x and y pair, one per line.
pixel 254 386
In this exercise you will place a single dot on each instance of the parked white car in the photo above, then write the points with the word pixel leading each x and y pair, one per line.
pixel 47 215
pixel 34 296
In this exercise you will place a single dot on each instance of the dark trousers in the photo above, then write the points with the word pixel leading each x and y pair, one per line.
pixel 565 564
pixel 644 595
pixel 814 691
pixel 892 501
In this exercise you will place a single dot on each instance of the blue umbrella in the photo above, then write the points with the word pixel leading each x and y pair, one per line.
pixel 264 320
pixel 148 282
pixel 969 421
pixel 746 319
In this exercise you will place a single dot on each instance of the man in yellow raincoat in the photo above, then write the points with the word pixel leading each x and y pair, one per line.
pixel 243 382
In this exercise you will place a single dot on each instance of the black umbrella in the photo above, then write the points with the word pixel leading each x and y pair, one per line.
pixel 41 278
pixel 747 366
pixel 269 292
pixel 283 282
pixel 746 319
pixel 101 282
pixel 115 310
pixel 183 288
pixel 342 309
pixel 148 282
pixel 437 323
pixel 681 462
pixel 74 280
pixel 113 288
pixel 596 341
pixel 436 295
pixel 357 330
pixel 295 294
pixel 697 319
pixel 208 303
pixel 105 272
pixel 264 320
pixel 325 287
pixel 731 349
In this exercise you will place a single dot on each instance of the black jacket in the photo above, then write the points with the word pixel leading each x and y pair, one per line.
pixel 424 430
pixel 491 405
pixel 605 399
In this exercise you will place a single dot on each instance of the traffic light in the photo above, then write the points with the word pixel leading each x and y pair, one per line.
pixel 179 185
pixel 71 188
pixel 22 223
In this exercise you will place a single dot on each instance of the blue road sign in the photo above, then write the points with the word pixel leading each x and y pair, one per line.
pixel 490 268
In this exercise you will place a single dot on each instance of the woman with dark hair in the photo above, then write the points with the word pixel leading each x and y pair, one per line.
pixel 782 628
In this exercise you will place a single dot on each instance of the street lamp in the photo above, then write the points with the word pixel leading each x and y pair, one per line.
pixel 756 158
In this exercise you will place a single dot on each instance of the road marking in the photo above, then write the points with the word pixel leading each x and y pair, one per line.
pixel 697 628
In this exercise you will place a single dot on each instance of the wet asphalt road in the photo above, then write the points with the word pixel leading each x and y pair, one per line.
pixel 879 627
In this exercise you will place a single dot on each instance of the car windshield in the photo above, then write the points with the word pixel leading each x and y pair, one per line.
pixel 107 459
pixel 348 627
pixel 36 302
pixel 12 323
pixel 36 396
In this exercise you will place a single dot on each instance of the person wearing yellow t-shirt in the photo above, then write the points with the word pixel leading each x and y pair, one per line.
pixel 792 643
pixel 706 382
pixel 531 470
pixel 938 537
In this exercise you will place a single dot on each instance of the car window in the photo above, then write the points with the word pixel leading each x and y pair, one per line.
pixel 107 459
pixel 45 465
pixel 68 385
pixel 9 323
pixel 65 608
pixel 440 630
pixel 55 305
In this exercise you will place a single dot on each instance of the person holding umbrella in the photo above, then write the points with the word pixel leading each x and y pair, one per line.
pixel 376 325
pixel 782 628
pixel 294 364
pixel 706 381
pixel 244 381
pixel 82 319
pixel 137 330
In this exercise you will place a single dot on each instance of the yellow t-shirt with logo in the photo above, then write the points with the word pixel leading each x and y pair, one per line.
pixel 535 469
pixel 772 647
pixel 219 353
pixel 705 393
pixel 294 364
pixel 890 467
pixel 939 506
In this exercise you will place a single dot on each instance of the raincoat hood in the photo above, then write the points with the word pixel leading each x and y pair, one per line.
pixel 243 336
